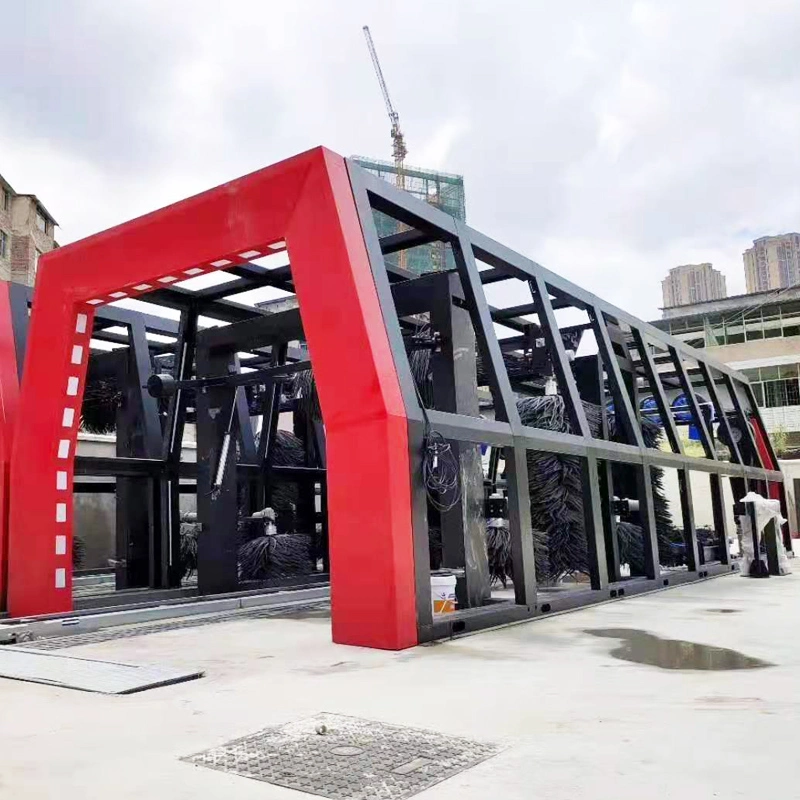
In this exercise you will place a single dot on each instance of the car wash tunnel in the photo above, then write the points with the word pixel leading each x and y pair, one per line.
pixel 379 431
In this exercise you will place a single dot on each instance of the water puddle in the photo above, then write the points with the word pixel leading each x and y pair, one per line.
pixel 642 647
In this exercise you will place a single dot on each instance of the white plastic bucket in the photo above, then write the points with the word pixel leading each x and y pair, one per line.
pixel 443 593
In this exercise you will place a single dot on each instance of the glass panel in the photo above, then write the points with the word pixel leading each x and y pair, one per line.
pixel 758 390
pixel 754 328
pixel 772 326
pixel 771 394
pixel 782 393
pixel 734 330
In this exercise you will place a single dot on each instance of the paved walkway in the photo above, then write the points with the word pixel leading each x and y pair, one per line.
pixel 573 720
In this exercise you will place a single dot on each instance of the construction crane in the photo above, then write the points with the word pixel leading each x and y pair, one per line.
pixel 398 141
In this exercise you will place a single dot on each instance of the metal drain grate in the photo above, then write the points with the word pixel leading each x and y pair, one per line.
pixel 316 608
pixel 355 759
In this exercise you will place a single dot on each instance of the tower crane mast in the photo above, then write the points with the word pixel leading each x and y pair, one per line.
pixel 398 140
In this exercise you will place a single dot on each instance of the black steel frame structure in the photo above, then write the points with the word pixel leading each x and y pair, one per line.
pixel 627 351
pixel 149 475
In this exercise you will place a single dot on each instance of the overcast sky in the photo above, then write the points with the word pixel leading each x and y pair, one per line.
pixel 609 140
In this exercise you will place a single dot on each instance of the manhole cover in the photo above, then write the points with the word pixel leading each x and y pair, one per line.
pixel 355 759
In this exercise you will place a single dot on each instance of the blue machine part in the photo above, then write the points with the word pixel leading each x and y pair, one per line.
pixel 680 409
pixel 649 409
pixel 683 415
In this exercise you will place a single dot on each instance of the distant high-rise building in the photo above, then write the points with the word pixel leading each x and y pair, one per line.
pixel 693 283
pixel 26 232
pixel 773 262
pixel 440 189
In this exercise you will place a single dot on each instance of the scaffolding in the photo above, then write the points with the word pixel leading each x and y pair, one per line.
pixel 443 190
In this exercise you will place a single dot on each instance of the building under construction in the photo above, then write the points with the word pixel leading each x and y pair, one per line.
pixel 443 190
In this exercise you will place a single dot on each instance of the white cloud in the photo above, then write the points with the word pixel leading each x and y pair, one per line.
pixel 610 141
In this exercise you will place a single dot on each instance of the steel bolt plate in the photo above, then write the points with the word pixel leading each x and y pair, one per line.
pixel 355 759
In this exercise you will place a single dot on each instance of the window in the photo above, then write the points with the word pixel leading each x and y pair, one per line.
pixel 753 328
pixel 6 200
pixel 781 393
pixel 734 330
pixel 791 322
pixel 772 326
pixel 3 244
pixel 41 221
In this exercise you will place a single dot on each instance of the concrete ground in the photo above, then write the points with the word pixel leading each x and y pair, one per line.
pixel 575 722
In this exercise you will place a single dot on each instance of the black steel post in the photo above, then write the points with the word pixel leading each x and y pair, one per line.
pixel 593 523
pixel 138 435
pixel 720 517
pixel 771 544
pixel 693 556
pixel 455 389
pixel 166 547
pixel 134 500
pixel 644 489
pixel 217 501
pixel 520 527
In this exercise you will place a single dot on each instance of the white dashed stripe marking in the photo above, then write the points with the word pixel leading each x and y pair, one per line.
pixel 95 302
pixel 61 545
pixel 142 287
pixel 77 354
pixel 223 262
pixel 68 417
pixel 61 512
pixel 194 271
pixel 61 481
pixel 63 448
pixel 167 279
pixel 118 295
pixel 80 323
pixel 72 386
pixel 250 254
pixel 61 578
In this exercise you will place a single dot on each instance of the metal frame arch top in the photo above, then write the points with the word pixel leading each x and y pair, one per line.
pixel 306 202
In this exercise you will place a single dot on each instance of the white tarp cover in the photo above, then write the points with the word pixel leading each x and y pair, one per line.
pixel 765 511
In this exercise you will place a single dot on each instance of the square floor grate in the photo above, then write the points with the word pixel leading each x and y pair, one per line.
pixel 346 758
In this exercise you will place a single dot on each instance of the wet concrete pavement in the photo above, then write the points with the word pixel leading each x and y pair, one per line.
pixel 687 693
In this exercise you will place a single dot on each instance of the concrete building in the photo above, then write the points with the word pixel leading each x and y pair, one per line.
pixel 27 231
pixel 773 262
pixel 692 283
pixel 758 334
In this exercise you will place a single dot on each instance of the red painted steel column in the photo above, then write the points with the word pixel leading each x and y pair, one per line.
pixel 369 490
pixel 9 397
pixel 40 527
pixel 306 200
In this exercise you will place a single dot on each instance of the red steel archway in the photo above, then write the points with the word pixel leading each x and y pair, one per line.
pixel 307 202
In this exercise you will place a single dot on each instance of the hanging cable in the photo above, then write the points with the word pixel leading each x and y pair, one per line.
pixel 441 471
